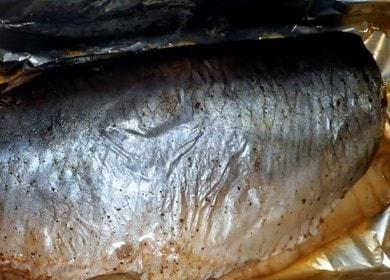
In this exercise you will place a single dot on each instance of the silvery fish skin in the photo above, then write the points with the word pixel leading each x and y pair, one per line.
pixel 185 163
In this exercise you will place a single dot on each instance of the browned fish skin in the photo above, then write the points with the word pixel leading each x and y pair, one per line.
pixel 184 164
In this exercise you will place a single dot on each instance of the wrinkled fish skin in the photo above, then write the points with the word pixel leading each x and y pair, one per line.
pixel 184 163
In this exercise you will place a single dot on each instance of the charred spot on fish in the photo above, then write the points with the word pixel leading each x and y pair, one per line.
pixel 384 102
pixel 258 164
pixel 125 252
pixel 197 105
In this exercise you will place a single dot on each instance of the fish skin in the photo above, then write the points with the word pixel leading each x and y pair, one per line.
pixel 185 163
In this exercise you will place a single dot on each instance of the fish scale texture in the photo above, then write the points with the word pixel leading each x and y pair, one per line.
pixel 186 163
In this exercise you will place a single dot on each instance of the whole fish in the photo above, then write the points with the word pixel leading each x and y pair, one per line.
pixel 187 163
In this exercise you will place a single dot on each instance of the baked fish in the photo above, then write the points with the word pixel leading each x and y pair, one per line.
pixel 187 163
